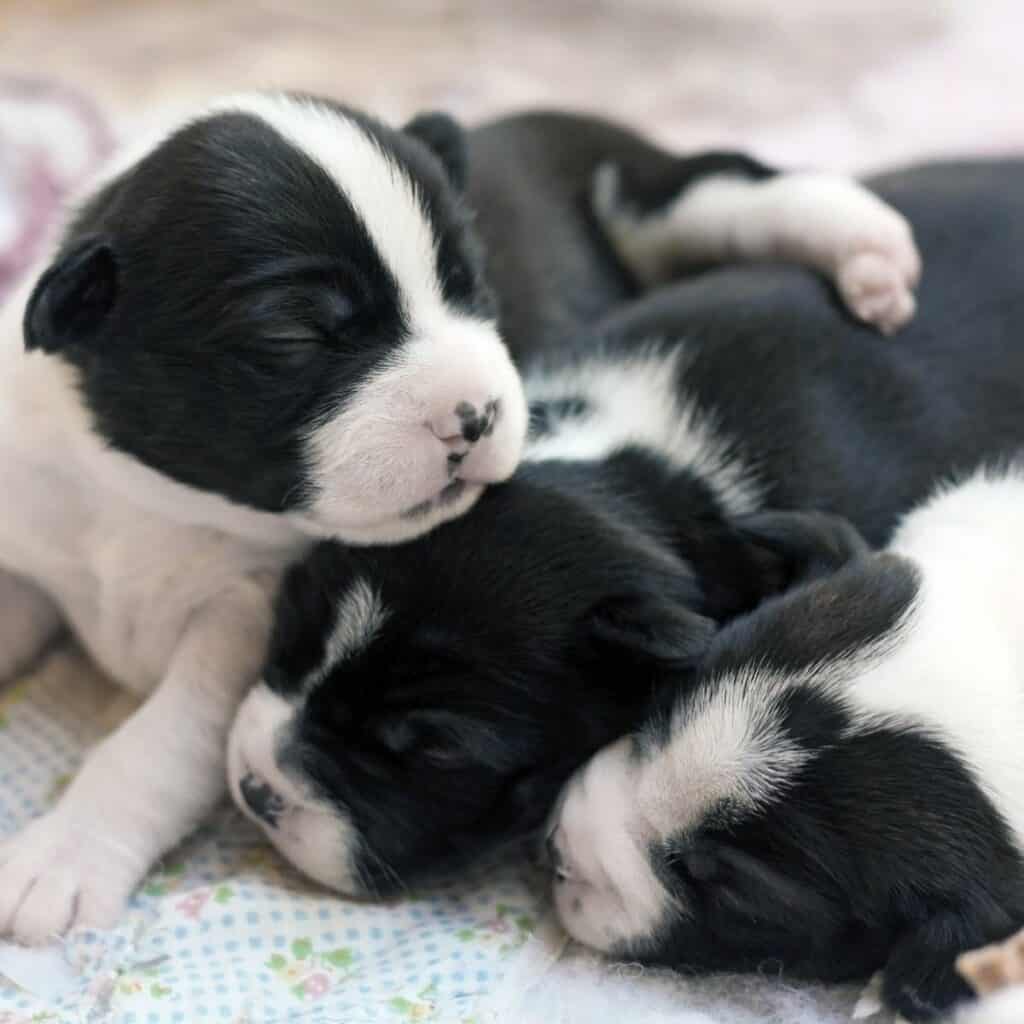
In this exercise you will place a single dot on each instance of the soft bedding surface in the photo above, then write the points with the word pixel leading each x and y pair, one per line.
pixel 223 931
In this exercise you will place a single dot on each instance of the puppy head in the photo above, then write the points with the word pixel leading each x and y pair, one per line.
pixel 282 303
pixel 762 821
pixel 425 703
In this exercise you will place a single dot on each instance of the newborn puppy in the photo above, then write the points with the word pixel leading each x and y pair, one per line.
pixel 842 789
pixel 421 705
pixel 264 327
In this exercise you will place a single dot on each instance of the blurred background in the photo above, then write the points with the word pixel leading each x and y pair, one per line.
pixel 845 84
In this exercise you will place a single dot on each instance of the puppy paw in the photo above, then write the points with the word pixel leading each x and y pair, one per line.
pixel 56 875
pixel 877 278
pixel 836 225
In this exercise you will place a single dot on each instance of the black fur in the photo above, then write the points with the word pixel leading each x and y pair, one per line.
pixel 517 641
pixel 531 183
pixel 493 615
pixel 883 851
pixel 222 297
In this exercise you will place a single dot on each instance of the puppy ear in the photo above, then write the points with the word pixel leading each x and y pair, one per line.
pixel 446 138
pixel 809 544
pixel 73 297
pixel 647 630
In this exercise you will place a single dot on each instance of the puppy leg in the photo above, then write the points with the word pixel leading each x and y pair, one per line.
pixel 921 980
pixel 29 620
pixel 729 208
pixel 143 788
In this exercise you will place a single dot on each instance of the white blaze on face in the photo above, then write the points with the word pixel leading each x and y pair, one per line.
pixel 379 464
pixel 310 833
pixel 725 745
pixel 609 891
pixel 359 618
pixel 314 834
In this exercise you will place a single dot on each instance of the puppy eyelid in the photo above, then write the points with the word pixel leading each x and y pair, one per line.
pixel 298 333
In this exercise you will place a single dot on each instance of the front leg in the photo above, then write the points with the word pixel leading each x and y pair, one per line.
pixel 728 208
pixel 144 788
pixel 29 621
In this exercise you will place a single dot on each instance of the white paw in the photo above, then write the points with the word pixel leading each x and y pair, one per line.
pixel 835 224
pixel 56 875
pixel 877 275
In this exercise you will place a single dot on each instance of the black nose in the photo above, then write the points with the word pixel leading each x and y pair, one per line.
pixel 261 799
pixel 475 424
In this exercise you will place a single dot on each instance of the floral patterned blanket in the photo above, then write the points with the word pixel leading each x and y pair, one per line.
pixel 223 930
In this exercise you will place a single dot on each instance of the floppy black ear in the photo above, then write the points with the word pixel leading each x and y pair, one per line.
pixel 446 138
pixel 650 631
pixel 72 298
pixel 809 544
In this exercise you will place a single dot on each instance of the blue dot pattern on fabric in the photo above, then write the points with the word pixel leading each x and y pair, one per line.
pixel 222 930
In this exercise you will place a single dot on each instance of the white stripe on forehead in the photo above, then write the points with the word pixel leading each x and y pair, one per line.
pixel 380 191
pixel 728 744
pixel 359 617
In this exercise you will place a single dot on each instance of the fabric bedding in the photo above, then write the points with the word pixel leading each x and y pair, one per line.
pixel 223 930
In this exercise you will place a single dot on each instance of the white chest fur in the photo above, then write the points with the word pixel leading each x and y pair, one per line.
pixel 126 555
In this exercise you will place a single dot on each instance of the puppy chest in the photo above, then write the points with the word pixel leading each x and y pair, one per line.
pixel 147 583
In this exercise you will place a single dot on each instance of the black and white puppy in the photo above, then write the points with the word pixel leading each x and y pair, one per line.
pixel 268 325
pixel 265 325
pixel 842 788
pixel 423 704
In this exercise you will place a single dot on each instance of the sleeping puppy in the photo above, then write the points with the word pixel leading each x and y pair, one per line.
pixel 266 325
pixel 842 788
pixel 423 704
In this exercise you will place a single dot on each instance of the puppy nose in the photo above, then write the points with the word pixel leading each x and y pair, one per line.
pixel 555 859
pixel 467 422
pixel 478 422
pixel 264 803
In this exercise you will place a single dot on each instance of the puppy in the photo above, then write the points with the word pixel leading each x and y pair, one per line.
pixel 424 704
pixel 264 326
pixel 267 326
pixel 842 789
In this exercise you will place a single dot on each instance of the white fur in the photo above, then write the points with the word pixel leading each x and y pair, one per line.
pixel 727 744
pixel 314 835
pixel 359 618
pixel 168 587
pixel 148 783
pixel 386 452
pixel 377 187
pixel 959 670
pixel 602 856
pixel 634 400
pixel 952 666
pixel 828 222
pixel 28 621
pixel 380 454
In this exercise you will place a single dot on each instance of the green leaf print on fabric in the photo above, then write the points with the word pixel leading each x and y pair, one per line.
pixel 509 926
pixel 422 1008
pixel 309 974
